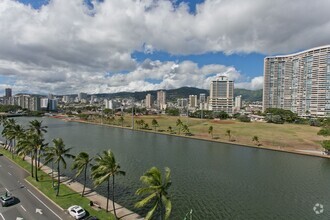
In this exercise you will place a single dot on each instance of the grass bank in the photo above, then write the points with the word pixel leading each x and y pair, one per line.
pixel 273 136
pixel 67 196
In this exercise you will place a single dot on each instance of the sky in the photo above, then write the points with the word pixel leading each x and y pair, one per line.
pixel 107 46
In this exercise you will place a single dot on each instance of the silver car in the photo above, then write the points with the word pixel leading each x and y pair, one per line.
pixel 7 200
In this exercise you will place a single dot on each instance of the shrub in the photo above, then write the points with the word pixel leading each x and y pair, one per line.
pixel 244 118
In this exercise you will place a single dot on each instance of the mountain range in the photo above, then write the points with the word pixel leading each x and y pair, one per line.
pixel 183 92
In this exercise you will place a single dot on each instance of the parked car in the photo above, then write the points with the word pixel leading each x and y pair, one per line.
pixel 76 211
pixel 7 200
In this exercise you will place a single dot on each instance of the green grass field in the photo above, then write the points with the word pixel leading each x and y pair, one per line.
pixel 284 136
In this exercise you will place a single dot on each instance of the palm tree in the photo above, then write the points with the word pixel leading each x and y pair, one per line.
pixel 81 163
pixel 49 157
pixel 25 146
pixel 37 143
pixel 228 133
pixel 37 127
pixel 8 132
pixel 105 168
pixel 185 129
pixel 210 131
pixel 179 124
pixel 154 123
pixel 59 153
pixel 255 139
pixel 157 190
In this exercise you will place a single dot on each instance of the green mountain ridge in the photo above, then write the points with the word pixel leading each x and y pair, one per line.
pixel 183 92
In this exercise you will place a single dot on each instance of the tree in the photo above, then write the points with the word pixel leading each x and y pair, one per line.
pixel 179 124
pixel 244 118
pixel 146 126
pixel 210 131
pixel 8 132
pixel 325 132
pixel 172 111
pixel 154 123
pixel 256 140
pixel 25 146
pixel 157 189
pixel 49 157
pixel 228 133
pixel 185 129
pixel 105 168
pixel 326 145
pixel 58 154
pixel 221 115
pixel 282 115
pixel 81 163
pixel 37 127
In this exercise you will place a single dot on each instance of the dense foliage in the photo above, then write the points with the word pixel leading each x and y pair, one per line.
pixel 279 116
pixel 172 111
pixel 9 108
pixel 244 118
pixel 198 114
pixel 221 115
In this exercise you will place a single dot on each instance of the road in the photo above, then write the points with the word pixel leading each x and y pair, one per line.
pixel 30 204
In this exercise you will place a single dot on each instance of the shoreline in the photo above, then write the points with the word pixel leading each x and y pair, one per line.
pixel 306 152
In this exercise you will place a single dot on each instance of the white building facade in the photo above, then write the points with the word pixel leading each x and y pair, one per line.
pixel 222 95
pixel 299 82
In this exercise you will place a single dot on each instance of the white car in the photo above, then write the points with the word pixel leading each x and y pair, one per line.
pixel 76 211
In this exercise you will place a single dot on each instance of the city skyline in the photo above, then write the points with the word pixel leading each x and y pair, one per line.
pixel 66 47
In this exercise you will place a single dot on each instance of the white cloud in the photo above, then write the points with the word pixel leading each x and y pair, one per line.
pixel 65 45
pixel 254 84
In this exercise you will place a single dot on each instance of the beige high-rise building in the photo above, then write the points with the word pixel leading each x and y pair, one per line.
pixel 299 82
pixel 161 100
pixel 193 101
pixel 238 102
pixel 149 101
pixel 222 95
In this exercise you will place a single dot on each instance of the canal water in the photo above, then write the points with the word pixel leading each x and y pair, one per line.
pixel 214 180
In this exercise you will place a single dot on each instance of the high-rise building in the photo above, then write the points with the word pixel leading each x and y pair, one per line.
pixel 161 100
pixel 8 92
pixel 182 103
pixel 192 101
pixel 34 103
pixel 82 96
pixel 299 82
pixel 52 106
pixel 44 103
pixel 66 99
pixel 149 101
pixel 202 98
pixel 238 102
pixel 221 95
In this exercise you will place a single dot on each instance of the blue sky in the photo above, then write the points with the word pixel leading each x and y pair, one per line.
pixel 60 46
pixel 250 65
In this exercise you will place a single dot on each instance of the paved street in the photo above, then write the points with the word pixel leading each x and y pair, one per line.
pixel 29 204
